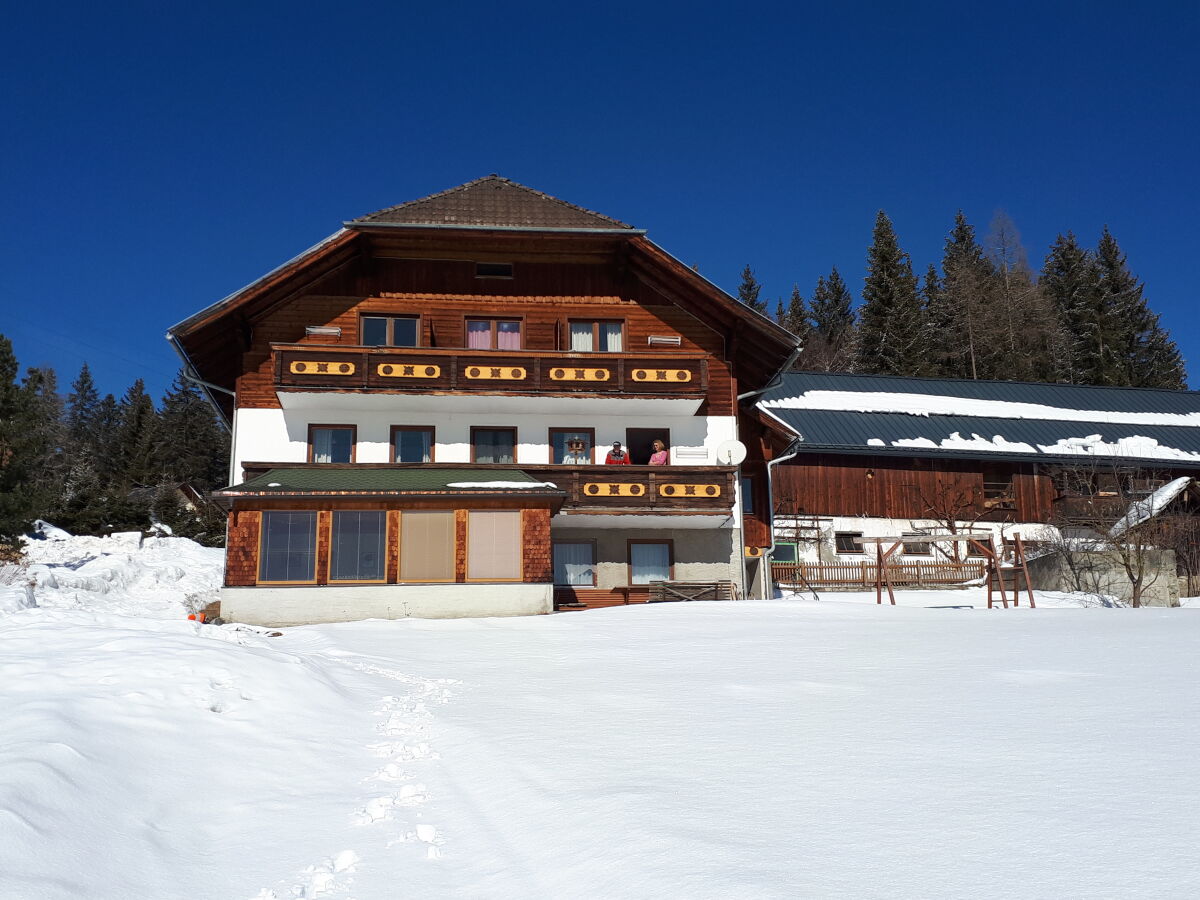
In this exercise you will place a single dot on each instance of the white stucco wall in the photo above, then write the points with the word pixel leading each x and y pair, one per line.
pixel 281 435
pixel 306 605
pixel 823 551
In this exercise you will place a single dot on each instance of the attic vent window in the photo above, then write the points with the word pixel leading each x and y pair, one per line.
pixel 493 270
pixel 664 340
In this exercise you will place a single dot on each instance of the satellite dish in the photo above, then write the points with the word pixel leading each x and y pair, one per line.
pixel 731 453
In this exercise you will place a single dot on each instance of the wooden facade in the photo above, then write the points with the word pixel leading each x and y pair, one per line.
pixel 487 290
pixel 891 487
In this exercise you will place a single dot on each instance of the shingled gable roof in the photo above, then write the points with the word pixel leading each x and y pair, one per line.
pixel 493 202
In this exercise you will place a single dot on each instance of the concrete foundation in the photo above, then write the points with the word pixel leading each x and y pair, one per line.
pixel 308 605
pixel 1100 572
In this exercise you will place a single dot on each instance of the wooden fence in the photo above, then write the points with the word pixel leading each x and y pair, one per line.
pixel 863 573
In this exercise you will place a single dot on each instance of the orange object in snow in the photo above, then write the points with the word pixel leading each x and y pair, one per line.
pixel 197 617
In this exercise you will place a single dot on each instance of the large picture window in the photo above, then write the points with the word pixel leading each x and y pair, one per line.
pixel 427 545
pixel 412 444
pixel 601 337
pixel 289 547
pixel 494 545
pixel 331 443
pixel 575 563
pixel 493 334
pixel 391 331
pixel 493 445
pixel 649 561
pixel 356 547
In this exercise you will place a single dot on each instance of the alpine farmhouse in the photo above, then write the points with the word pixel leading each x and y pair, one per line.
pixel 422 404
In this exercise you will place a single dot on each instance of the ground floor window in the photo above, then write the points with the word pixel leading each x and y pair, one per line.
pixel 916 545
pixel 289 547
pixel 427 545
pixel 494 545
pixel 356 546
pixel 575 563
pixel 785 553
pixel 649 561
pixel 848 541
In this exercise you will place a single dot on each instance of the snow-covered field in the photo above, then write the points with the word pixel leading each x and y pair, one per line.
pixel 794 748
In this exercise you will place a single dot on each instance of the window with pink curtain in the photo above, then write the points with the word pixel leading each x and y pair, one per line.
pixel 493 334
pixel 479 335
pixel 508 335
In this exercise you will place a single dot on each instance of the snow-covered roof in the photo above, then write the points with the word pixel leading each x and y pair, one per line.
pixel 856 413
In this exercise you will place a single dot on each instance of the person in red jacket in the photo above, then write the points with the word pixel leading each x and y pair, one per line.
pixel 616 456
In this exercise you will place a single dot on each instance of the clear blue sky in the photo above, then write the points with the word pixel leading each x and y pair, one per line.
pixel 155 157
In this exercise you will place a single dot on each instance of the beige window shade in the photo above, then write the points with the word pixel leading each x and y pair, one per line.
pixel 427 545
pixel 494 546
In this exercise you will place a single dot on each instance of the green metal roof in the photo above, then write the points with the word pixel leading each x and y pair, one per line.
pixel 415 480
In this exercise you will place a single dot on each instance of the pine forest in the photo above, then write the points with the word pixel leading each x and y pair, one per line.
pixel 984 314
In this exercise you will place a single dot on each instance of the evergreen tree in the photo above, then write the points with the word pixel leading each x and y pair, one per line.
pixel 1145 355
pixel 1070 281
pixel 892 335
pixel 193 447
pixel 749 290
pixel 82 409
pixel 46 436
pixel 964 334
pixel 19 460
pixel 831 344
pixel 780 312
pixel 795 315
pixel 135 442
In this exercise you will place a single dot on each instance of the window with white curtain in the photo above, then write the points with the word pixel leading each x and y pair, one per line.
pixel 600 337
pixel 649 562
pixel 493 334
pixel 331 444
pixel 575 563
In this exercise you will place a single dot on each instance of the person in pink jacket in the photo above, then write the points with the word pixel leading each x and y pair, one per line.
pixel 659 456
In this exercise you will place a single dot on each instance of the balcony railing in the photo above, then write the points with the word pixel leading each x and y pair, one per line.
pixel 430 370
pixel 691 489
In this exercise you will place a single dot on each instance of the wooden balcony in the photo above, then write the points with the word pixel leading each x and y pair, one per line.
pixel 672 490
pixel 422 370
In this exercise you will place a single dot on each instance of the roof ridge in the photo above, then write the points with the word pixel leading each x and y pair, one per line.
pixel 493 177
pixel 942 379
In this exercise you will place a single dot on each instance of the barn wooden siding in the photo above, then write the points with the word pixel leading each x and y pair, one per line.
pixel 908 488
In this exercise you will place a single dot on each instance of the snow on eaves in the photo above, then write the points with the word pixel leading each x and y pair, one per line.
pixel 503 485
pixel 932 405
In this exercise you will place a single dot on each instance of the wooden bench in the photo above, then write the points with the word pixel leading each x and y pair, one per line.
pixel 686 591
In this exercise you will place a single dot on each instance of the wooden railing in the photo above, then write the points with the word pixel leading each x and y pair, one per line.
pixel 694 489
pixel 429 370
pixel 863 573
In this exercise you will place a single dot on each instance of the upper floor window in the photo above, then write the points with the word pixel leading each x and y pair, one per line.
pixel 493 445
pixel 391 331
pixel 331 443
pixel 572 445
pixel 412 443
pixel 597 336
pixel 493 334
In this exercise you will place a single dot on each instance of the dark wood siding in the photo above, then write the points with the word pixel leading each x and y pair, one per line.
pixel 906 488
